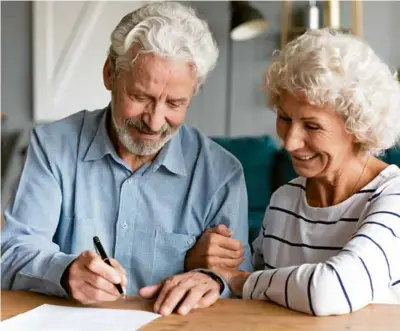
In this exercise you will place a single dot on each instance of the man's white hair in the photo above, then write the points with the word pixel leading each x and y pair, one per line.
pixel 167 29
pixel 343 72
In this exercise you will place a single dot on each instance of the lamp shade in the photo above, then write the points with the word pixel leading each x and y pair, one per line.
pixel 246 21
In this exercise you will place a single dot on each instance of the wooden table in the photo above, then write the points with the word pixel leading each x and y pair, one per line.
pixel 228 314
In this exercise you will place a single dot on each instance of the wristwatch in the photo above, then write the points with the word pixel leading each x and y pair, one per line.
pixel 214 277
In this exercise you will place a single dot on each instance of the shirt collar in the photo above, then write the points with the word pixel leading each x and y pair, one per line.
pixel 101 144
pixel 170 156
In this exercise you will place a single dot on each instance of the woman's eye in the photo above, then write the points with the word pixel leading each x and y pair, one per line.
pixel 312 127
pixel 286 119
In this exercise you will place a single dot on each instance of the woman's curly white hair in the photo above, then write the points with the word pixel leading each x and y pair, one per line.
pixel 343 72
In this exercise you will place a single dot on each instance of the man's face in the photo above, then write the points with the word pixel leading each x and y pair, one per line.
pixel 149 103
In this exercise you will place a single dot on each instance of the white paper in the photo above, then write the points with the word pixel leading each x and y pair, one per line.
pixel 54 318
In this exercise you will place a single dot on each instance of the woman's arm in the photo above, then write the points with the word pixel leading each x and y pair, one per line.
pixel 348 281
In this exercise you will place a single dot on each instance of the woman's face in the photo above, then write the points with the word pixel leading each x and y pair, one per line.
pixel 315 137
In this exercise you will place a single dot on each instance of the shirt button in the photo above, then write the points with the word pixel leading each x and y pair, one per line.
pixel 124 225
pixel 190 241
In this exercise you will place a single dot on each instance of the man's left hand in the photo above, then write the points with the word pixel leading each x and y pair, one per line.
pixel 185 292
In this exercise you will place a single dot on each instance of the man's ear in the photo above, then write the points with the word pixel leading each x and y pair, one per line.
pixel 108 74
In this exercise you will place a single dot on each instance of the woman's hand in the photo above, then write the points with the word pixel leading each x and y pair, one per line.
pixel 234 278
pixel 185 292
pixel 215 247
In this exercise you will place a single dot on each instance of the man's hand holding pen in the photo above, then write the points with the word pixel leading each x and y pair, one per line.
pixel 89 279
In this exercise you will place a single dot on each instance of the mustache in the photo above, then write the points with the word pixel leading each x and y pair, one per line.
pixel 143 127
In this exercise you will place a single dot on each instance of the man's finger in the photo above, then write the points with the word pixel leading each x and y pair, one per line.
pixel 150 292
pixel 79 296
pixel 120 270
pixel 102 269
pixel 192 298
pixel 174 297
pixel 118 266
pixel 100 283
pixel 208 299
pixel 166 287
pixel 97 295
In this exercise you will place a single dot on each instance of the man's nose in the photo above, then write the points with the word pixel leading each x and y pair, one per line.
pixel 155 118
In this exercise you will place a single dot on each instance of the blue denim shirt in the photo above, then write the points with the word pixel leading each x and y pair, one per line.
pixel 75 186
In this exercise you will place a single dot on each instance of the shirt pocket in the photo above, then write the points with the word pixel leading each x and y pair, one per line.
pixel 170 252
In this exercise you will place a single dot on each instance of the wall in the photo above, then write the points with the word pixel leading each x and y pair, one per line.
pixel 248 114
pixel 16 63
pixel 235 107
pixel 16 90
pixel 251 58
pixel 209 108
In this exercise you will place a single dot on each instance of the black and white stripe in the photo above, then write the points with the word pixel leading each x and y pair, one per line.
pixel 304 245
pixel 330 248
pixel 343 288
pixel 286 288
pixel 309 292
pixel 361 235
pixel 297 185
pixel 269 284
pixel 286 211
pixel 269 266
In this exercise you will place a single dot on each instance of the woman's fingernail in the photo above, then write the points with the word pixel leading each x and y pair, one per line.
pixel 184 310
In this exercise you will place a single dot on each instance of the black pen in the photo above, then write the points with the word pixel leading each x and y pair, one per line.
pixel 105 258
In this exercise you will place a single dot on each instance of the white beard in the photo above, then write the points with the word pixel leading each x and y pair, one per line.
pixel 141 147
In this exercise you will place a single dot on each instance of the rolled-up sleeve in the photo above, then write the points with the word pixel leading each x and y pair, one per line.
pixel 30 259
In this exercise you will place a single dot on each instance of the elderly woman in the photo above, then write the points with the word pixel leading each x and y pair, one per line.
pixel 329 242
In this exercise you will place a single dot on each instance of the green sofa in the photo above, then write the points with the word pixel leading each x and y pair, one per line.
pixel 266 167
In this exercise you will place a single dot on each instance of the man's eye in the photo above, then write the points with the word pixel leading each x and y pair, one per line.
pixel 174 105
pixel 140 98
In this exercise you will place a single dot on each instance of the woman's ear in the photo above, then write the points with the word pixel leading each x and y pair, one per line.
pixel 108 74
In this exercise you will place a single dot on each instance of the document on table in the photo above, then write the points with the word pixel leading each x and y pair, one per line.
pixel 54 318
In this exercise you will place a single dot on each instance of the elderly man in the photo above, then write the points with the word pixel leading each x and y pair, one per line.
pixel 130 173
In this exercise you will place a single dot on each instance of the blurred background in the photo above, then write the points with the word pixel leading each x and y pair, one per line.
pixel 52 53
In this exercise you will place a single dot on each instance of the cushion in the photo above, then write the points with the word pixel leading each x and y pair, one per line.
pixel 391 156
pixel 255 221
pixel 256 154
pixel 283 171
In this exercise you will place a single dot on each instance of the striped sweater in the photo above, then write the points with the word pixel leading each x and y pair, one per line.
pixel 332 260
